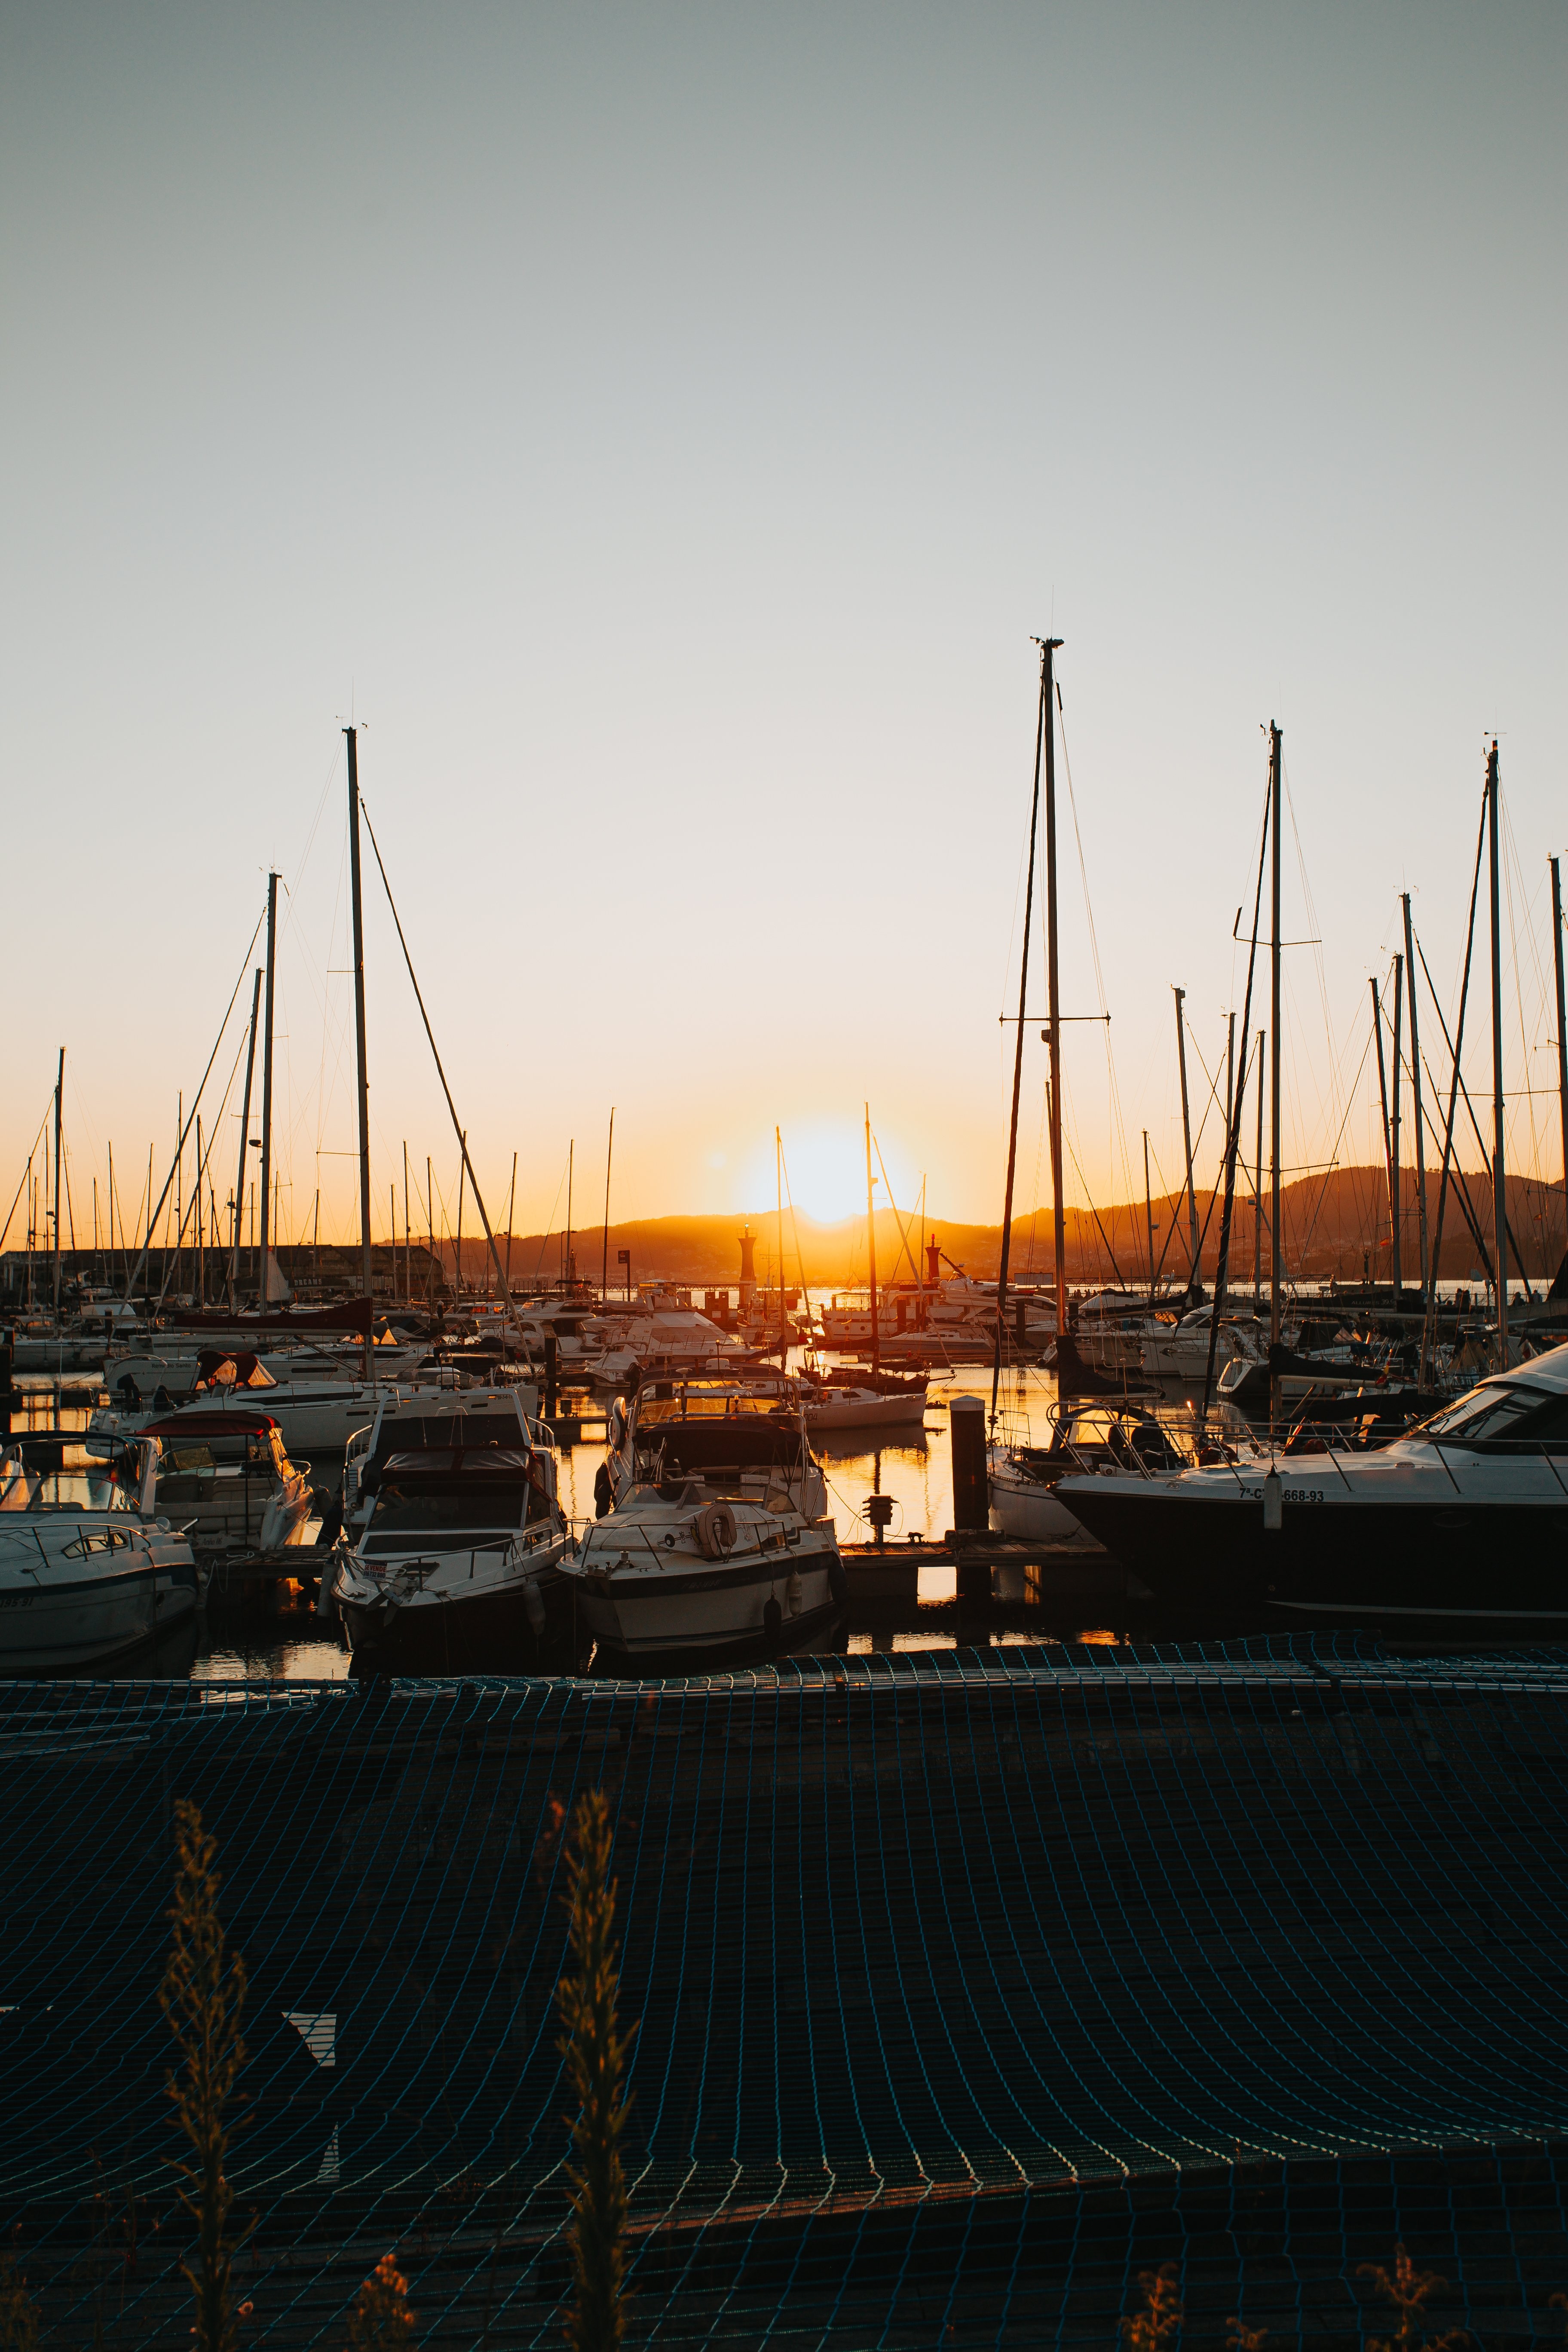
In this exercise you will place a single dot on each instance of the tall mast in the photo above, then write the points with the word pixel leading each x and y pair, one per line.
pixel 361 1072
pixel 1562 1032
pixel 1277 1260
pixel 1257 1181
pixel 604 1260
pixel 870 1254
pixel 510 1208
pixel 405 1259
pixel 1187 1140
pixel 571 1160
pixel 236 1223
pixel 1147 1214
pixel 59 1102
pixel 1416 1100
pixel 1059 1206
pixel 1382 1094
pixel 1393 1200
pixel 1500 1180
pixel 201 1251
pixel 266 1080
pixel 1042 730
pixel 778 1186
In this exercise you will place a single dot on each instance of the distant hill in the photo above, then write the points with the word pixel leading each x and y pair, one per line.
pixel 1335 1223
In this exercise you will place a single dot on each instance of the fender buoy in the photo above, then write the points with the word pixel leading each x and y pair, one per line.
pixel 715 1530
pixel 772 1619
pixel 604 1494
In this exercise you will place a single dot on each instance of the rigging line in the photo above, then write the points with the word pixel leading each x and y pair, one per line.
pixel 27 1168
pixel 310 836
pixel 193 1206
pixel 794 1229
pixel 549 1229
pixel 1314 929
pixel 1233 1136
pixel 893 1205
pixel 440 1073
pixel 1333 1156
pixel 1486 1156
pixel 1115 1105
pixel 1122 1283
pixel 196 1106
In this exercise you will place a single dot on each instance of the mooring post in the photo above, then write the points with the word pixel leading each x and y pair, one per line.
pixel 971 1486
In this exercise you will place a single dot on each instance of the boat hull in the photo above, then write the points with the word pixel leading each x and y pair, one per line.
pixel 443 1634
pixel 1449 1560
pixel 66 1626
pixel 868 1412
pixel 1031 1511
pixel 647 1615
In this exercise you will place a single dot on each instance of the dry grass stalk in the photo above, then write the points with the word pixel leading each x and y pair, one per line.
pixel 1150 2329
pixel 380 2319
pixel 201 1995
pixel 1408 2290
pixel 595 2050
pixel 18 2312
pixel 1239 2337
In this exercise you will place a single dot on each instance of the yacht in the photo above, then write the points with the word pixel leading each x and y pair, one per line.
pixel 227 1477
pixel 323 1414
pixel 1463 1520
pixel 1085 1437
pixel 1181 1351
pixel 90 1568
pixel 676 1569
pixel 743 1440
pixel 465 1417
pixel 459 1568
pixel 179 1363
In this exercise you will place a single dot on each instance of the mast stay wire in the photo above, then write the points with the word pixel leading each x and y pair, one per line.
pixel 1119 1125
pixel 27 1163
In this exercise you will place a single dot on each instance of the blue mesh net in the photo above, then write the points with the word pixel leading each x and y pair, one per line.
pixel 968 1986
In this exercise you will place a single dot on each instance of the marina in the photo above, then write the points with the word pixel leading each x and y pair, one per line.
pixel 783 1187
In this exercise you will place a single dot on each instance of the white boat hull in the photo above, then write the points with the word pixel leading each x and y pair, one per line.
pixel 52 1625
pixel 1028 1510
pixel 867 1412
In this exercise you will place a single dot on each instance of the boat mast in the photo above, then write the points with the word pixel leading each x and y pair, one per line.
pixel 1382 1091
pixel 1180 995
pixel 1041 733
pixel 361 1073
pixel 1416 1100
pixel 1394 1199
pixel 1059 1206
pixel 1149 1216
pixel 267 1085
pixel 778 1186
pixel 1430 1320
pixel 237 1222
pixel 201 1251
pixel 1257 1181
pixel 1500 1180
pixel 605 1261
pixel 871 1256
pixel 59 1102
pixel 1562 1032
pixel 1277 1262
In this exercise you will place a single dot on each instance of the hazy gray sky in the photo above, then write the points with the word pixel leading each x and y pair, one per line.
pixel 665 427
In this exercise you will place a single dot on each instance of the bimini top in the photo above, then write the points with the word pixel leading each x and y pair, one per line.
pixel 454 1461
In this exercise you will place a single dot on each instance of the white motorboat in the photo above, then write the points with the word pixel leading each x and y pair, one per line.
pixel 742 1439
pixel 842 1405
pixel 1085 1436
pixel 676 1569
pixel 89 1568
pixel 1463 1520
pixel 178 1366
pixel 320 1416
pixel 465 1417
pixel 460 1569
pixel 1181 1352
pixel 227 1477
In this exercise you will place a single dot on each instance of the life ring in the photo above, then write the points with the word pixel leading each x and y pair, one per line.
pixel 715 1530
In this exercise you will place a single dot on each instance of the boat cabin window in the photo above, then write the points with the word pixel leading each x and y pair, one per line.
pixel 1496 1412
pixel 483 1506
pixel 63 1477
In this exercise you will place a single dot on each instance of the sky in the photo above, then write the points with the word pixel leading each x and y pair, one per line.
pixel 663 430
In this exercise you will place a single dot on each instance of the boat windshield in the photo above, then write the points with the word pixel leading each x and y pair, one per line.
pixel 63 1477
pixel 698 1404
pixel 481 1504
pixel 1499 1411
